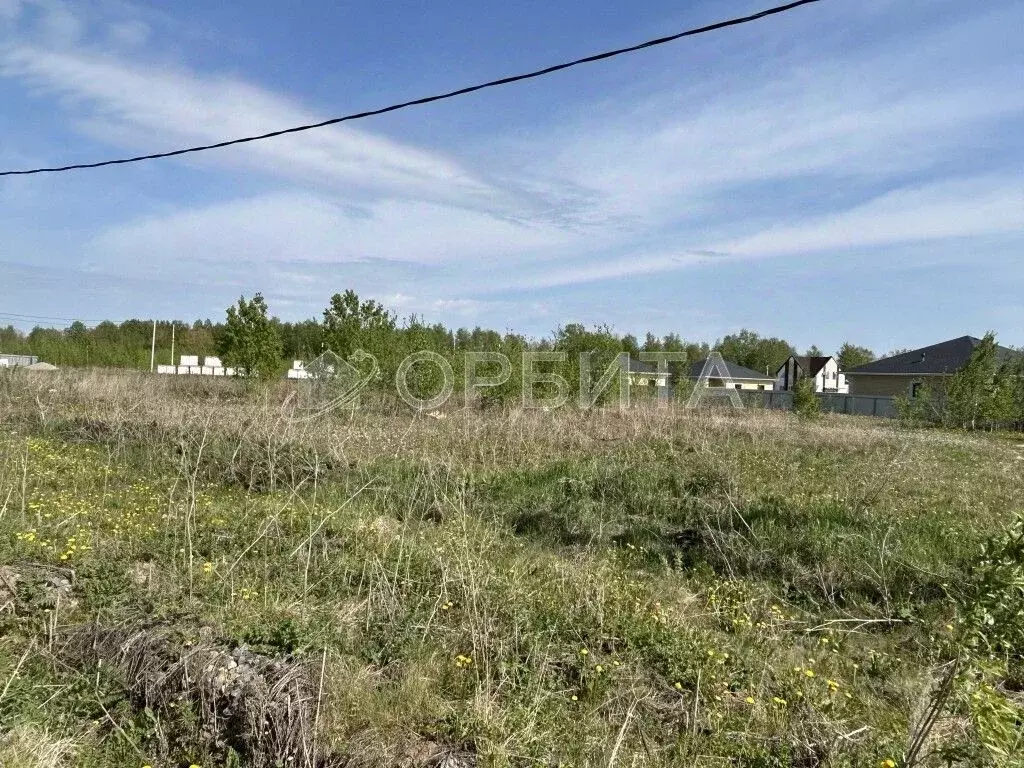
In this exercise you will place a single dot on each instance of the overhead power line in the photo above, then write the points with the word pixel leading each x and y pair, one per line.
pixel 43 317
pixel 35 323
pixel 41 322
pixel 429 99
pixel 62 322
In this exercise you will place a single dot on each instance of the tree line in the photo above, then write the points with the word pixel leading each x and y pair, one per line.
pixel 988 391
pixel 251 337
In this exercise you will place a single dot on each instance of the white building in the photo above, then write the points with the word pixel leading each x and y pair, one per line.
pixel 298 370
pixel 12 361
pixel 824 370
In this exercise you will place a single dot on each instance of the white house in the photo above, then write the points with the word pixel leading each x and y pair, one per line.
pixel 824 370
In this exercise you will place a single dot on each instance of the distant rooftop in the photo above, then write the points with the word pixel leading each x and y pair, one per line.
pixel 943 358
pixel 640 366
pixel 735 371
pixel 811 365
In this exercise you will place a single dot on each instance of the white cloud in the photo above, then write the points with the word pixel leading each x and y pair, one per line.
pixel 668 161
pixel 935 212
pixel 598 269
pixel 460 308
pixel 301 227
pixel 467 307
pixel 696 144
pixel 129 104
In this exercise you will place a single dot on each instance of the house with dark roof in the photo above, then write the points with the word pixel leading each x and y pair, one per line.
pixel 722 373
pixel 904 374
pixel 823 370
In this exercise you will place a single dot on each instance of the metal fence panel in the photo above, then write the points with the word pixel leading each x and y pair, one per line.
pixel 855 405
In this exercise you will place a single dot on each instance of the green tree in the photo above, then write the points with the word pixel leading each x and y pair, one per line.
pixel 749 349
pixel 303 340
pixel 351 324
pixel 12 341
pixel 852 356
pixel 805 402
pixel 981 392
pixel 511 391
pixel 601 348
pixel 680 370
pixel 1012 379
pixel 923 408
pixel 425 379
pixel 631 345
pixel 814 351
pixel 251 340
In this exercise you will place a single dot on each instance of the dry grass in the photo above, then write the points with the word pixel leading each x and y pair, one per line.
pixel 26 746
pixel 264 709
pixel 649 587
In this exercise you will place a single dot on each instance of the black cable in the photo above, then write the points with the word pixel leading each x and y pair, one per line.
pixel 40 317
pixel 60 322
pixel 429 99
pixel 34 323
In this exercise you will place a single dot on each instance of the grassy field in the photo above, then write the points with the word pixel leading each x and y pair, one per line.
pixel 190 576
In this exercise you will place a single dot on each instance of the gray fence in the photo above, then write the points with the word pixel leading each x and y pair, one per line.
pixel 855 405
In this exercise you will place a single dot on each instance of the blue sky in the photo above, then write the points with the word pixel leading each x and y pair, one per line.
pixel 850 170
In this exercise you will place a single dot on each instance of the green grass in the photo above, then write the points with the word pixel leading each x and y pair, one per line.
pixel 656 587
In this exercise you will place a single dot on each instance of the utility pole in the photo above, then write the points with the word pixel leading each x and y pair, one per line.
pixel 152 350
pixel 172 342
